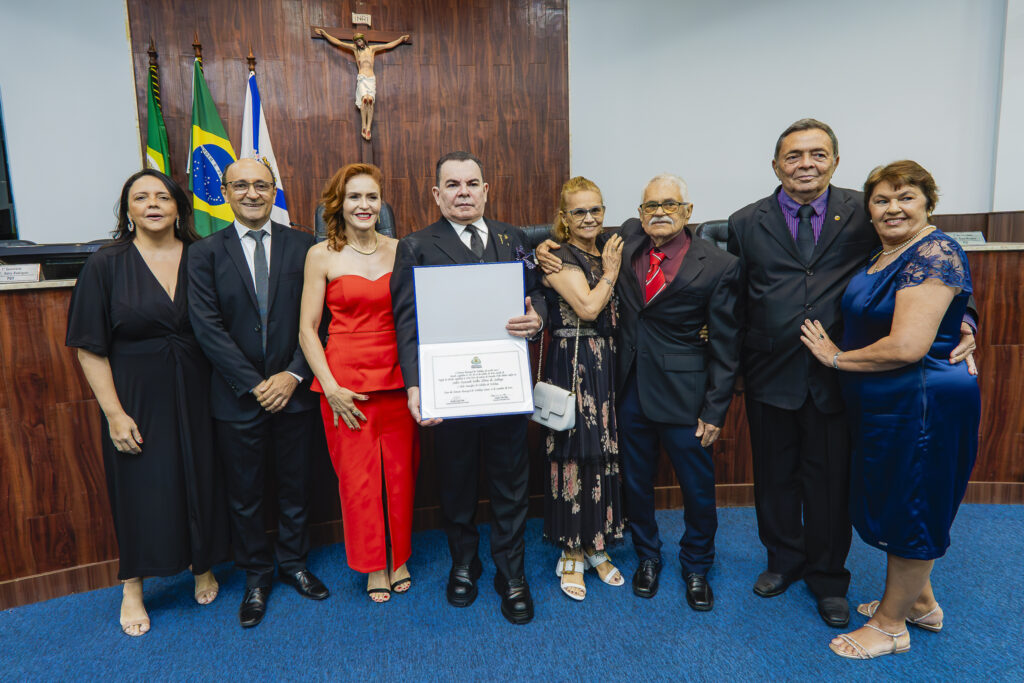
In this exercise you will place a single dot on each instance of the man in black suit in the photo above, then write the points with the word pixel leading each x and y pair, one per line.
pixel 674 388
pixel 464 236
pixel 245 282
pixel 799 247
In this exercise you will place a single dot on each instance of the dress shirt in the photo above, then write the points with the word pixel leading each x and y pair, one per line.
pixel 464 235
pixel 675 249
pixel 790 206
pixel 249 249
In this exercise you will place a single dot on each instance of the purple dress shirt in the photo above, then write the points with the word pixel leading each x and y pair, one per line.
pixel 790 206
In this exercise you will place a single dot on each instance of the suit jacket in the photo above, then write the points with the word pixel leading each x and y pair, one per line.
pixel 782 291
pixel 439 245
pixel 226 319
pixel 679 378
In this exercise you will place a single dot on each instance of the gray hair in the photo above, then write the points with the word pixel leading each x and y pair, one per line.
pixel 684 191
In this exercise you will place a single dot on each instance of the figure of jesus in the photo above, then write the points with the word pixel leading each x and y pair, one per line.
pixel 366 82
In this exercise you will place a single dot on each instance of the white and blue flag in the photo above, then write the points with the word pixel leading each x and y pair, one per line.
pixel 256 144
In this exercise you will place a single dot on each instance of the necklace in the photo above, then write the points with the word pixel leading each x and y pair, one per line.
pixel 376 244
pixel 889 252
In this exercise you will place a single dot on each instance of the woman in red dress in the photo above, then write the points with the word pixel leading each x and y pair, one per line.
pixel 373 441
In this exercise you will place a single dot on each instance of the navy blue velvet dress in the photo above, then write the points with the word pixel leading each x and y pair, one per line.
pixel 914 430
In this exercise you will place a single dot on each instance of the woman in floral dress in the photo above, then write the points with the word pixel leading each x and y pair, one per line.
pixel 583 510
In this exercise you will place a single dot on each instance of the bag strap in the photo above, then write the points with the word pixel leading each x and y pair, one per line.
pixel 575 358
pixel 540 358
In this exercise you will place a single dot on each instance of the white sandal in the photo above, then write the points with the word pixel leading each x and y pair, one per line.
pixel 864 653
pixel 567 566
pixel 868 609
pixel 599 558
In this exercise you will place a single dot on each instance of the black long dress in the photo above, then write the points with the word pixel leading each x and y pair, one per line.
pixel 582 504
pixel 167 502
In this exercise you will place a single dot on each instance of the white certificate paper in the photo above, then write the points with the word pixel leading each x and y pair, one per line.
pixel 470 366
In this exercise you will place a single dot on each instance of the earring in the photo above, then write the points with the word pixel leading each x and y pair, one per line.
pixel 131 225
pixel 177 224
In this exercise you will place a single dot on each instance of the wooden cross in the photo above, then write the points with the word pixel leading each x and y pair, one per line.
pixel 369 36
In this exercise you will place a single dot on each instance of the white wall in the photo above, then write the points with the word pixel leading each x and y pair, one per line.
pixel 1008 191
pixel 703 89
pixel 68 95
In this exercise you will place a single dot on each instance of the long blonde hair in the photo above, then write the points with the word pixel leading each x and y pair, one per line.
pixel 560 227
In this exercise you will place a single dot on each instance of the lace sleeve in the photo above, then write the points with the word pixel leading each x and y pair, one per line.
pixel 938 257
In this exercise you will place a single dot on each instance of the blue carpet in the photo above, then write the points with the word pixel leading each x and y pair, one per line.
pixel 612 635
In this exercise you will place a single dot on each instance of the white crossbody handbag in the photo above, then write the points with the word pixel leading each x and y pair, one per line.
pixel 553 406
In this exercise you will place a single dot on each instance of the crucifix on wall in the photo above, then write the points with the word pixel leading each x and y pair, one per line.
pixel 359 43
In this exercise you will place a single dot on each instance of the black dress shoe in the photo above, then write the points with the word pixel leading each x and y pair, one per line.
pixel 254 606
pixel 645 578
pixel 770 584
pixel 306 584
pixel 698 593
pixel 834 611
pixel 462 583
pixel 516 602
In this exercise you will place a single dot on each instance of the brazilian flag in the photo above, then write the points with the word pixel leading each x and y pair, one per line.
pixel 210 154
pixel 156 135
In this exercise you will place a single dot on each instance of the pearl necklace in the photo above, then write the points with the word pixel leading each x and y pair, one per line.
pixel 892 251
pixel 376 244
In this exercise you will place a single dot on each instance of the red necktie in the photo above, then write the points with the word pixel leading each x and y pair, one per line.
pixel 655 281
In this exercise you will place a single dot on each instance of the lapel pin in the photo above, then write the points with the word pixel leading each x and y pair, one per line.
pixel 837 216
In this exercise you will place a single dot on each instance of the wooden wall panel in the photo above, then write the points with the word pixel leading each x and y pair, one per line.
pixel 489 77
pixel 1003 226
pixel 56 534
pixel 53 506
pixel 999 293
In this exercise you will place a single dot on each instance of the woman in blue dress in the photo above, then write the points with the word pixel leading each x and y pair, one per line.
pixel 913 414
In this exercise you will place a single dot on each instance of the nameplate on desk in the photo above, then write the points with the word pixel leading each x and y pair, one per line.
pixel 968 239
pixel 20 272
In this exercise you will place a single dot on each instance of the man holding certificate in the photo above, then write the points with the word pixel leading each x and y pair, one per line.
pixel 463 236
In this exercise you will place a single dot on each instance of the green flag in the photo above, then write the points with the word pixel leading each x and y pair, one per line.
pixel 210 153
pixel 156 136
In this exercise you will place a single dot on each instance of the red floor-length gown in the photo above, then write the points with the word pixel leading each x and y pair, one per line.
pixel 376 465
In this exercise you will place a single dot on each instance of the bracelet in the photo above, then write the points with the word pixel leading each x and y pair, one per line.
pixel 835 360
pixel 610 283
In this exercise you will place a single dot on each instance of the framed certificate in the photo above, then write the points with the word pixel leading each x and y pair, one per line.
pixel 470 366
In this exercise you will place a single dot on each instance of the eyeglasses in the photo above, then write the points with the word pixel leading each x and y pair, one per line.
pixel 242 186
pixel 580 214
pixel 669 206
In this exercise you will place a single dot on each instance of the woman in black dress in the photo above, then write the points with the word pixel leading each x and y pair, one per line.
pixel 583 509
pixel 129 321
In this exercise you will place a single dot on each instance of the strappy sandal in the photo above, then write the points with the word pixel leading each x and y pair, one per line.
pixel 868 609
pixel 209 593
pixel 613 577
pixel 128 623
pixel 402 585
pixel 382 591
pixel 864 653
pixel 566 566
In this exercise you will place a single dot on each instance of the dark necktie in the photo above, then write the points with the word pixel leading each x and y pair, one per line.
pixel 804 232
pixel 262 278
pixel 476 245
pixel 655 281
